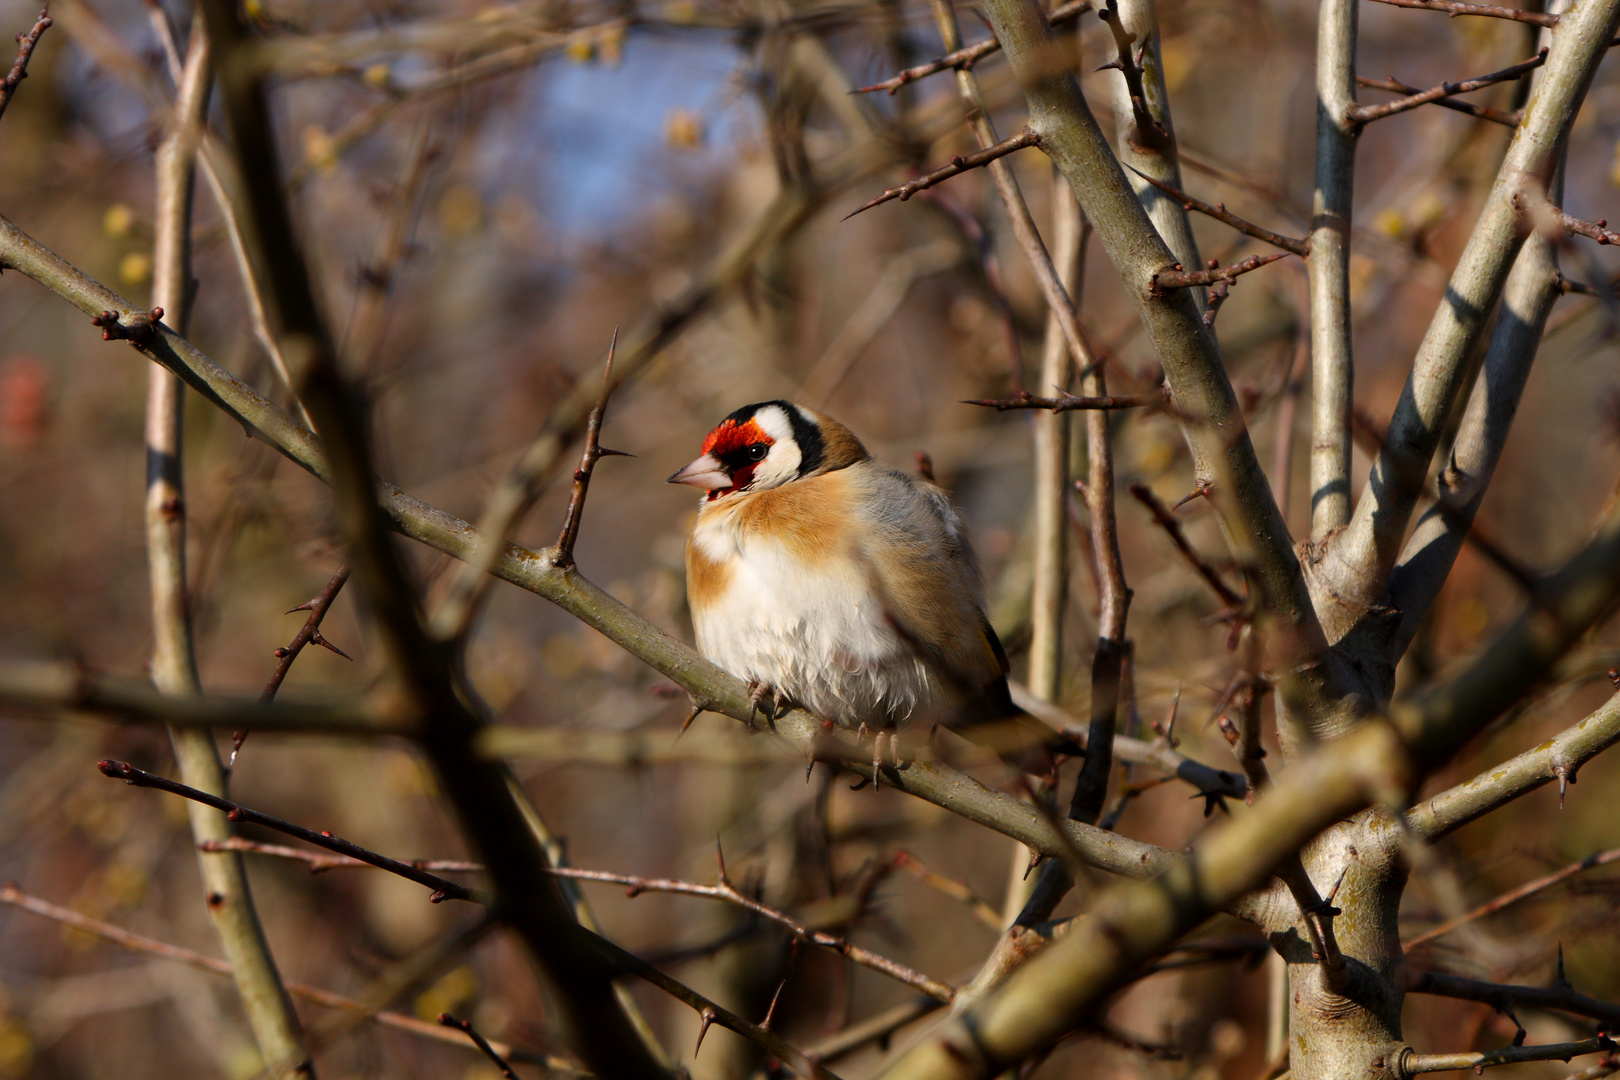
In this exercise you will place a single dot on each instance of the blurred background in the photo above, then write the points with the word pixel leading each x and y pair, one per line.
pixel 486 192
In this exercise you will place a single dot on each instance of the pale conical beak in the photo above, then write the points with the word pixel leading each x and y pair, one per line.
pixel 706 472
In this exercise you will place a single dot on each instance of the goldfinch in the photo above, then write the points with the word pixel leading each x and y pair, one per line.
pixel 822 577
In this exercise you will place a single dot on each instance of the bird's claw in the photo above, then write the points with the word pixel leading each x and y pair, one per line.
pixel 877 754
pixel 758 692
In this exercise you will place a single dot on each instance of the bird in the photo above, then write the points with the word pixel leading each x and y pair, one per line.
pixel 823 578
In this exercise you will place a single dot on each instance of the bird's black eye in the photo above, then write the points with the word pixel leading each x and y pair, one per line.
pixel 757 451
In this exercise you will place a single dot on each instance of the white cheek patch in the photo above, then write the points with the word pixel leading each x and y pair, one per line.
pixel 782 463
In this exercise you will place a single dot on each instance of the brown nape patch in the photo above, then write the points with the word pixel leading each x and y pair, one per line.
pixel 839 446
pixel 706 579
pixel 807 517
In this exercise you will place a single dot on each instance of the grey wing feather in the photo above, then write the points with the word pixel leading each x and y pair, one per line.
pixel 922 564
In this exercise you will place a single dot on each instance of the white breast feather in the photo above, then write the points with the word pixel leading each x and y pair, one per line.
pixel 817 633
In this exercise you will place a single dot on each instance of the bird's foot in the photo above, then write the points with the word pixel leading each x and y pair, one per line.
pixel 758 692
pixel 893 737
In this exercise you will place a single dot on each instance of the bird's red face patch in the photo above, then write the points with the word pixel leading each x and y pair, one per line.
pixel 729 443
pixel 731 436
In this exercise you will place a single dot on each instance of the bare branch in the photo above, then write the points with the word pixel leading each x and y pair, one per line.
pixel 1493 11
pixel 1067 402
pixel 1560 996
pixel 1355 569
pixel 318 863
pixel 562 556
pixel 1413 1064
pixel 1220 213
pixel 1058 300
pixel 444 888
pixel 1366 114
pixel 308 634
pixel 956 890
pixel 1484 112
pixel 1596 230
pixel 959 164
pixel 1160 754
pixel 1166 280
pixel 1332 208
pixel 67 689
pixel 274 1023
pixel 710 1013
pixel 1513 896
pixel 479 1041
pixel 1560 759
pixel 634 885
pixel 25 50
pixel 1148 131
pixel 964 59
pixel 1169 523
pixel 1054 991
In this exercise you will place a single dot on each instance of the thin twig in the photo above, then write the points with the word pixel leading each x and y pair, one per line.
pixel 1484 112
pixel 1366 114
pixel 1172 527
pixel 25 50
pixel 964 59
pixel 562 556
pixel 1220 213
pixel 1067 402
pixel 444 888
pixel 1597 230
pixel 956 890
pixel 318 863
pixel 1178 278
pixel 959 164
pixel 634 885
pixel 308 634
pixel 463 1026
pixel 1513 896
pixel 1450 7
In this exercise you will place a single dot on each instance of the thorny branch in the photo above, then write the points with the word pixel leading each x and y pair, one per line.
pixel 1128 62
pixel 444 888
pixel 959 164
pixel 1504 997
pixel 562 556
pixel 1414 1064
pixel 964 59
pixel 25 50
pixel 308 634
pixel 1220 213
pixel 634 885
pixel 1484 112
pixel 1172 527
pixel 1366 114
